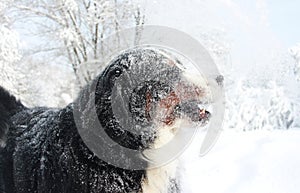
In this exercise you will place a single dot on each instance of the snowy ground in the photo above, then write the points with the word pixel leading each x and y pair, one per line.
pixel 246 162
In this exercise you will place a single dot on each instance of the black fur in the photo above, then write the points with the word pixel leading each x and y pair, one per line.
pixel 45 153
pixel 8 107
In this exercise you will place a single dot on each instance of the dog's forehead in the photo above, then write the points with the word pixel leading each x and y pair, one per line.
pixel 142 65
pixel 139 56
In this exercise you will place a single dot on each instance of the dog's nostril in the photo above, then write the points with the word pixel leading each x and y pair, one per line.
pixel 204 114
pixel 195 111
pixel 200 115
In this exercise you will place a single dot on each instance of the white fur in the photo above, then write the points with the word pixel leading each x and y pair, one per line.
pixel 158 179
pixel 196 78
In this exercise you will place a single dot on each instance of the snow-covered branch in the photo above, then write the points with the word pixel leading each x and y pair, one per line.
pixel 79 27
pixel 295 52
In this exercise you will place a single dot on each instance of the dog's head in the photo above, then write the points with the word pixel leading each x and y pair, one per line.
pixel 145 95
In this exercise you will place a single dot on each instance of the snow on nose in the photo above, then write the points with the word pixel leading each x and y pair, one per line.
pixel 194 111
pixel 204 115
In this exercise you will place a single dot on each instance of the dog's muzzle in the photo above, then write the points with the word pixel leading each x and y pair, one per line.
pixel 194 111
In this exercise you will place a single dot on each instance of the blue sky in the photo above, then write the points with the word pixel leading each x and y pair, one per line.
pixel 260 31
pixel 284 20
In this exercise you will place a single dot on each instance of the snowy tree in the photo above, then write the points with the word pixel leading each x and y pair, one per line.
pixel 218 43
pixel 53 86
pixel 251 107
pixel 295 52
pixel 281 112
pixel 61 44
pixel 73 30
pixel 9 51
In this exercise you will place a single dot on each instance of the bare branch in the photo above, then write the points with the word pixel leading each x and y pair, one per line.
pixel 40 13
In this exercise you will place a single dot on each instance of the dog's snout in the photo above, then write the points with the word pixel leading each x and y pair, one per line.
pixel 204 114
pixel 192 110
pixel 199 115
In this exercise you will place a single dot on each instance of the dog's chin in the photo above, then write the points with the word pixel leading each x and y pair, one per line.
pixel 166 132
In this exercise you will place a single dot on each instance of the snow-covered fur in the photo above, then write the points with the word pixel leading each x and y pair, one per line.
pixel 8 107
pixel 42 151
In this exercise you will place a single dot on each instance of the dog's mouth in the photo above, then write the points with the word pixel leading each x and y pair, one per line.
pixel 164 104
pixel 193 111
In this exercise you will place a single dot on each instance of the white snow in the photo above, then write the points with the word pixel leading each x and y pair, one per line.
pixel 245 162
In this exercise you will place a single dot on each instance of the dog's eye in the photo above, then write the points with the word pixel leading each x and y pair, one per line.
pixel 118 72
pixel 177 110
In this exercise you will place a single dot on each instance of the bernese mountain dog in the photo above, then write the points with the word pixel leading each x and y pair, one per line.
pixel 42 150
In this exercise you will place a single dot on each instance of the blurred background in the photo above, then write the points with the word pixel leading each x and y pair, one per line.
pixel 49 49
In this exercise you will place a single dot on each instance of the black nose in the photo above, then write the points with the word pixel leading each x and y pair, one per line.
pixel 192 110
pixel 204 115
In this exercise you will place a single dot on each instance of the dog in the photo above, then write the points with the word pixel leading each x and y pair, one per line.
pixel 42 149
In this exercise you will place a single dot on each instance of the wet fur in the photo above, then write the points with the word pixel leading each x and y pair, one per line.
pixel 42 151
